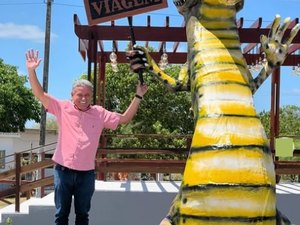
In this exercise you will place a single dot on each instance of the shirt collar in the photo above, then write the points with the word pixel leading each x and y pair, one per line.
pixel 76 107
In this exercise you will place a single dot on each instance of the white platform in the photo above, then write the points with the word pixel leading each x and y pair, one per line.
pixel 132 202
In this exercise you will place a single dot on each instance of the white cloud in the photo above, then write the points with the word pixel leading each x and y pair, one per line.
pixel 24 32
pixel 292 92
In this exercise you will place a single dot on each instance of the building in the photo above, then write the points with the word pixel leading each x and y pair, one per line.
pixel 27 141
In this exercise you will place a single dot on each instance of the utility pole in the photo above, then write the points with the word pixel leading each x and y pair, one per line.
pixel 41 173
pixel 46 70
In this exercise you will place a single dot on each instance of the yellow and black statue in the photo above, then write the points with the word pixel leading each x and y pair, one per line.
pixel 229 178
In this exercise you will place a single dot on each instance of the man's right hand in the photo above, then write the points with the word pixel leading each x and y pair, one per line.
pixel 32 62
pixel 32 59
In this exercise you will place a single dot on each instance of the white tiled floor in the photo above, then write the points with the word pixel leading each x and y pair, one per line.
pixel 166 186
pixel 138 186
pixel 288 188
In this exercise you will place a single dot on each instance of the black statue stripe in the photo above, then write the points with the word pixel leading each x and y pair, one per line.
pixel 264 148
pixel 249 220
pixel 206 187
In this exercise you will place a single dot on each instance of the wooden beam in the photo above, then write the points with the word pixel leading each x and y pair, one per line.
pixel 38 165
pixel 115 46
pixel 146 151
pixel 181 57
pixel 148 25
pixel 293 23
pixel 7 174
pixel 38 183
pixel 176 44
pixel 170 34
pixel 82 44
pixel 83 47
pixel 293 48
pixel 101 45
pixel 240 23
pixel 287 167
pixel 163 43
pixel 257 24
pixel 140 165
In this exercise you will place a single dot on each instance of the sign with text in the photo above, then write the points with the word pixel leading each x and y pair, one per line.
pixel 99 11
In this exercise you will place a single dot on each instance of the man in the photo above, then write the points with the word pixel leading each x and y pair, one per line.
pixel 80 126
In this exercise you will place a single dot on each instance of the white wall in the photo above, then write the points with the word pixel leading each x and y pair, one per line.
pixel 23 141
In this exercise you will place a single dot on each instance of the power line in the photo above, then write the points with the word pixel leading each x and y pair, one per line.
pixel 21 4
pixel 68 5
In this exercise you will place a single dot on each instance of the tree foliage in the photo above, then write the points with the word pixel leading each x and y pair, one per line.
pixel 17 103
pixel 161 111
pixel 289 118
pixel 51 123
pixel 289 125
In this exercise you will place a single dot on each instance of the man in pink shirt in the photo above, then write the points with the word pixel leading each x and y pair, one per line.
pixel 80 126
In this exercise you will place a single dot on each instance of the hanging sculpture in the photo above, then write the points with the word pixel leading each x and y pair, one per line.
pixel 229 178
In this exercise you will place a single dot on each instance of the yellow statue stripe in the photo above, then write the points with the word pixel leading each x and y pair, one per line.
pixel 227 107
pixel 228 130
pixel 230 76
pixel 229 91
pixel 212 12
pixel 219 54
pixel 210 167
pixel 230 202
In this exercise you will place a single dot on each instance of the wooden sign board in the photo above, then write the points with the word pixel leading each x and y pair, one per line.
pixel 99 11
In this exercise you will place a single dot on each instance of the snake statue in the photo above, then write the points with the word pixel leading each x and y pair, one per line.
pixel 229 177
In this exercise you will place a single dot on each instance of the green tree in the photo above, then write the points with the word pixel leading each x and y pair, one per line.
pixel 17 103
pixel 161 111
pixel 289 118
pixel 265 120
pixel 51 123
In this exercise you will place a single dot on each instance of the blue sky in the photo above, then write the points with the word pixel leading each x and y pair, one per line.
pixel 22 26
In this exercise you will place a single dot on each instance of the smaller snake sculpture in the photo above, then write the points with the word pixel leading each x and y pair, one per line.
pixel 229 177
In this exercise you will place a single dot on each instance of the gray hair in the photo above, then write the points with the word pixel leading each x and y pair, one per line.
pixel 82 83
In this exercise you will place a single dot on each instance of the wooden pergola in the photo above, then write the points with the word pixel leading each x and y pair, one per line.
pixel 92 48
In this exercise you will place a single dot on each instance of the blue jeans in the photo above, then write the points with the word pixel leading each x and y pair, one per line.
pixel 69 183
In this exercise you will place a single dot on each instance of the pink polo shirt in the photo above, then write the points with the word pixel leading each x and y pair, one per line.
pixel 79 133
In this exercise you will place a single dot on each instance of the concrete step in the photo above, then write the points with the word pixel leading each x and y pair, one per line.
pixel 123 198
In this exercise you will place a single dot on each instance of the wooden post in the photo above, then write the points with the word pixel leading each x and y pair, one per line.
pixel 42 174
pixel 103 143
pixel 18 181
pixel 101 81
pixel 275 108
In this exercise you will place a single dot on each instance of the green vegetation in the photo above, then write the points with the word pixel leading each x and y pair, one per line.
pixel 17 103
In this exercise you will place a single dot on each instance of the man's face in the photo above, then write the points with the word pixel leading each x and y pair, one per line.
pixel 82 96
